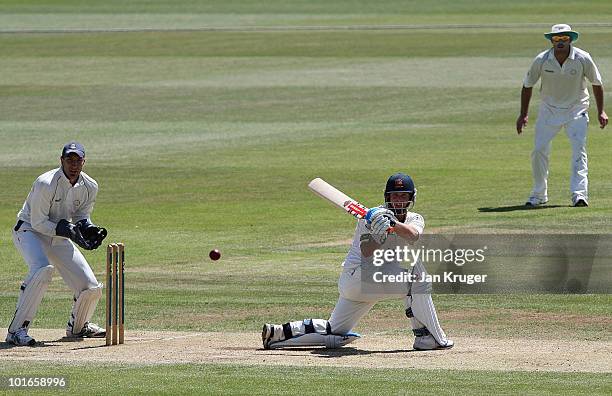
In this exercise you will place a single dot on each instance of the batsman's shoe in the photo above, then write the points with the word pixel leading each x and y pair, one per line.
pixel 532 202
pixel 20 338
pixel 428 343
pixel 266 335
pixel 90 330
pixel 271 334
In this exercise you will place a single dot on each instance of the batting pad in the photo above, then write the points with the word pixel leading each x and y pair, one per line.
pixel 420 303
pixel 306 326
pixel 424 312
pixel 84 307
pixel 30 297
pixel 330 341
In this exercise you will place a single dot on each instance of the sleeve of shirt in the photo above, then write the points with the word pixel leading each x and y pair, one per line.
pixel 40 204
pixel 591 72
pixel 362 232
pixel 84 211
pixel 533 74
pixel 417 222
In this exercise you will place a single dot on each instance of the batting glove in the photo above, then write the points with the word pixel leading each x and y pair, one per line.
pixel 380 225
pixel 377 212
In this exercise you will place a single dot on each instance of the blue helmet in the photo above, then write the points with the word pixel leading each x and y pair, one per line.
pixel 400 182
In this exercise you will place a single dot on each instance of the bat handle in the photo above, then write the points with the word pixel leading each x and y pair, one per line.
pixel 391 229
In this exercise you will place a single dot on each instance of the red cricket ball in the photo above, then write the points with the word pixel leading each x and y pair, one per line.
pixel 214 254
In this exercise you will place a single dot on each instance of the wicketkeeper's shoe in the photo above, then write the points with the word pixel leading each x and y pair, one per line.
pixel 532 202
pixel 90 330
pixel 580 203
pixel 428 343
pixel 20 338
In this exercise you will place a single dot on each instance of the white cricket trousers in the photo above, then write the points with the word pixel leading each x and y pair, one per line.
pixel 40 250
pixel 549 123
pixel 353 303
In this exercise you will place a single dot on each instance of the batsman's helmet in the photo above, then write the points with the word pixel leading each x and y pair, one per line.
pixel 400 182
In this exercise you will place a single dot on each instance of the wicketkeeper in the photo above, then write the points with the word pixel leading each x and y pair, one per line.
pixel 55 217
pixel 354 302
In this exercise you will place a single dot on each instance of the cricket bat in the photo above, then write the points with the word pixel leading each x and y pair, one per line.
pixel 338 198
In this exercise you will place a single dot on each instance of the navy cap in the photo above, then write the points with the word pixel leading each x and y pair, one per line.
pixel 74 147
pixel 399 182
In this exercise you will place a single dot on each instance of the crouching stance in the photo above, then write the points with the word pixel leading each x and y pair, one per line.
pixel 55 217
pixel 384 227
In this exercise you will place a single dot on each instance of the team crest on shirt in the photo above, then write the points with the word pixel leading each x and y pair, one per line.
pixel 573 72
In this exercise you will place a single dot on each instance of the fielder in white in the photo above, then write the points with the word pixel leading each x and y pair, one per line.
pixel 55 216
pixel 354 302
pixel 563 70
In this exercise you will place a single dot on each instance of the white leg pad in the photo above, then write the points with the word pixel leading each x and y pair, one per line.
pixel 420 303
pixel 331 341
pixel 299 327
pixel 84 307
pixel 30 297
pixel 425 313
pixel 414 322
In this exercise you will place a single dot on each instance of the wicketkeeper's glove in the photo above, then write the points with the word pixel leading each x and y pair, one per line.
pixel 92 233
pixel 66 229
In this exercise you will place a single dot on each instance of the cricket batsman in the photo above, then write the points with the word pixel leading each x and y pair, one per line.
pixel 56 217
pixel 372 232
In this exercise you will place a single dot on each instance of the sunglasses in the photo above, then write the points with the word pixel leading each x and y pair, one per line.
pixel 556 39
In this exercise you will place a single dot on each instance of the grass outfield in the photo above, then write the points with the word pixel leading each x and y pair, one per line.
pixel 233 380
pixel 202 139
pixel 62 14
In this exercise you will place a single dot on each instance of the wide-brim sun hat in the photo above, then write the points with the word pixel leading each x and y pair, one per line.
pixel 562 29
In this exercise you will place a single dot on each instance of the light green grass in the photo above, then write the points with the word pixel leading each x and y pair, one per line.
pixel 207 139
pixel 249 380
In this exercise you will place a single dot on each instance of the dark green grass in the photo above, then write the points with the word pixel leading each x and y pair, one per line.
pixel 356 43
pixel 474 7
pixel 236 379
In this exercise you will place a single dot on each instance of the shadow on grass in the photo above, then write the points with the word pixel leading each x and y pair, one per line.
pixel 91 347
pixel 519 207
pixel 77 340
pixel 339 352
pixel 39 344
pixel 351 351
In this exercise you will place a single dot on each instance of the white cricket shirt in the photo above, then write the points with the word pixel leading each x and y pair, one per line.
pixel 563 87
pixel 53 198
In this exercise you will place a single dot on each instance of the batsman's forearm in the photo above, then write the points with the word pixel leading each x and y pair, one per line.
pixel 525 99
pixel 599 97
